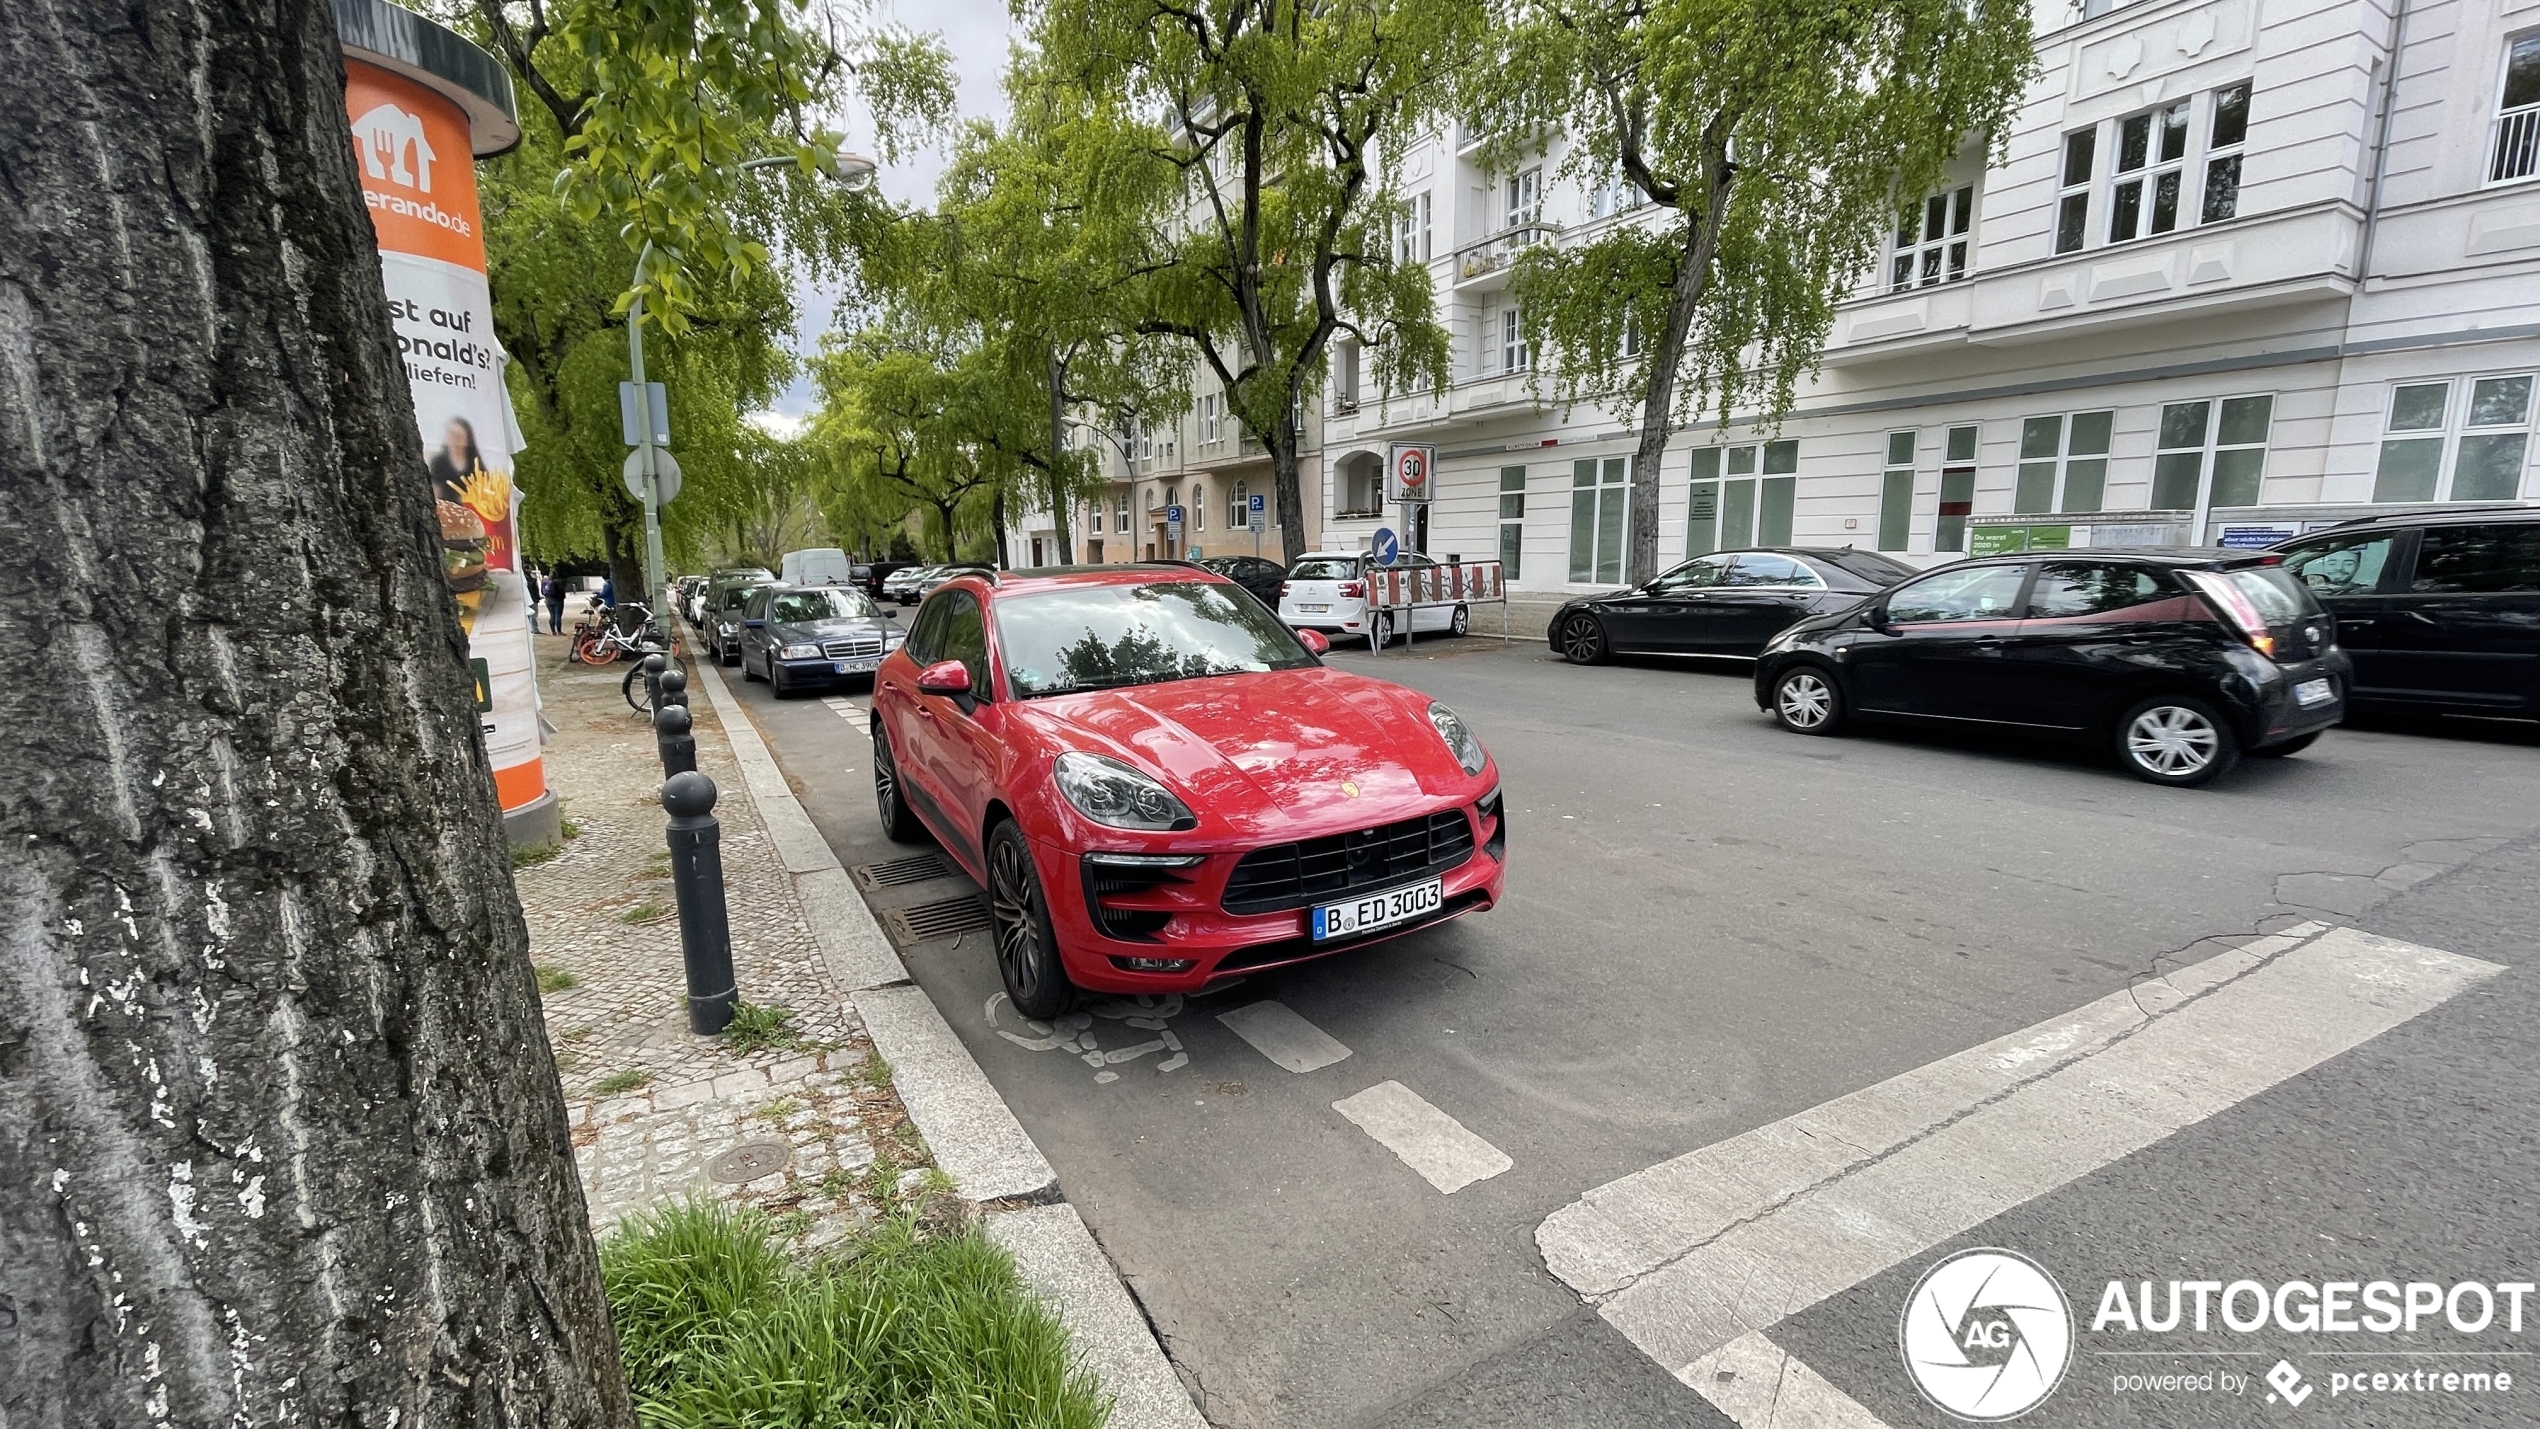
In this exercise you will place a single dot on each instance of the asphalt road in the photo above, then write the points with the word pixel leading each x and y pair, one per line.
pixel 1712 925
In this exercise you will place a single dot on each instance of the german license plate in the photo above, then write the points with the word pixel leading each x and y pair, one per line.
pixel 858 667
pixel 2313 692
pixel 1378 910
pixel 1315 609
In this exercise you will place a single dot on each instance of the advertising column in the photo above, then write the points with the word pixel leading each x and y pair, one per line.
pixel 424 105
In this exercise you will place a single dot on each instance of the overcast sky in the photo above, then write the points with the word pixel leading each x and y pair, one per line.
pixel 975 32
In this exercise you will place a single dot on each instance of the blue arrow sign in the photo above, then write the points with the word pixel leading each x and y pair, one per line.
pixel 1388 550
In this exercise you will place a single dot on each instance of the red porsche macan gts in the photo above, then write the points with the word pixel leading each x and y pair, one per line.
pixel 1160 785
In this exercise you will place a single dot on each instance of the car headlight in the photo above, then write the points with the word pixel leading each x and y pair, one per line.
pixel 1111 793
pixel 799 652
pixel 1459 739
pixel 891 639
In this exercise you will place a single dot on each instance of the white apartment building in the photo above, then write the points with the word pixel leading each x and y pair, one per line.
pixel 1202 462
pixel 2233 276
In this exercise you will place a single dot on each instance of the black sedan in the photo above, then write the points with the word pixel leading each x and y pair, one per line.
pixel 1262 577
pixel 2181 659
pixel 1727 603
pixel 797 636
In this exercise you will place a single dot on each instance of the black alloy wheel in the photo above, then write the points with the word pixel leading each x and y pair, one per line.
pixel 1027 947
pixel 899 821
pixel 1581 640
pixel 1806 701
pixel 2175 740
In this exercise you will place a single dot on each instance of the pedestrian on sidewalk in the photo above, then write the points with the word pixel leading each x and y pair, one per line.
pixel 553 590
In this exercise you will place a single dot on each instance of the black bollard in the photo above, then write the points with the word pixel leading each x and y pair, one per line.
pixel 673 740
pixel 696 873
pixel 653 665
pixel 674 688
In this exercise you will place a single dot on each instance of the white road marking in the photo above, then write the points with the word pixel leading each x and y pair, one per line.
pixel 1688 1256
pixel 845 709
pixel 1282 1036
pixel 1760 1385
pixel 1428 1140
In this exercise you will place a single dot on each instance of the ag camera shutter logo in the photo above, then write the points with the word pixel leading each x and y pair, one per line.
pixel 1986 1334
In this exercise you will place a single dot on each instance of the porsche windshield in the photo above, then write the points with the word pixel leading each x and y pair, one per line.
pixel 1103 636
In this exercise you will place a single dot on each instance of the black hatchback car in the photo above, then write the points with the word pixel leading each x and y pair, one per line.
pixel 2440 609
pixel 2182 659
pixel 1727 603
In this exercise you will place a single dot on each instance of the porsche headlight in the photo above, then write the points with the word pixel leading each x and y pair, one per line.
pixel 1109 792
pixel 1460 740
pixel 799 652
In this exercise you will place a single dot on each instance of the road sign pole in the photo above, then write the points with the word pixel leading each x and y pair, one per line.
pixel 644 440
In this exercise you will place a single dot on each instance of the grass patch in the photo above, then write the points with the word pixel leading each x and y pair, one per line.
pixel 658 866
pixel 530 856
pixel 758 1026
pixel 555 979
pixel 719 1325
pixel 875 1073
pixel 572 830
pixel 643 912
pixel 617 1082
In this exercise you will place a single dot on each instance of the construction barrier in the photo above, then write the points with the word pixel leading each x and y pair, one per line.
pixel 1403 588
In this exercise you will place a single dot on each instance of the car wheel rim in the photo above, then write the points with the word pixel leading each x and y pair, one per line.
pixel 886 780
pixel 1580 640
pixel 1805 701
pixel 1014 899
pixel 2172 740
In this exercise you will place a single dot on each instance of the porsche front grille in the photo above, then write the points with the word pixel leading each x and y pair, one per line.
pixel 1296 875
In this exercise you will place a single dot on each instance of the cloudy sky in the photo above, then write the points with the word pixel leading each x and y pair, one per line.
pixel 975 32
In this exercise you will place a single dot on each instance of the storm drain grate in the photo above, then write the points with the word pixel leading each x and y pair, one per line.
pixel 940 919
pixel 892 872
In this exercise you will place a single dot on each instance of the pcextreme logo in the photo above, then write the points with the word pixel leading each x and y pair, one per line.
pixel 1986 1334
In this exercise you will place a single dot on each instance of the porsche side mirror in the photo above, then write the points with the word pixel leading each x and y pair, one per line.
pixel 944 677
pixel 1314 641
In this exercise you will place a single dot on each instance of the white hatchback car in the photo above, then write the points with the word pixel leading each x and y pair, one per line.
pixel 1327 590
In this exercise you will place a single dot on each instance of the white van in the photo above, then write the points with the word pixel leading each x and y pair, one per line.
pixel 1327 590
pixel 821 565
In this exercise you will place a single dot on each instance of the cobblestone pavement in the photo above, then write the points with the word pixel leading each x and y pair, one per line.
pixel 807 1127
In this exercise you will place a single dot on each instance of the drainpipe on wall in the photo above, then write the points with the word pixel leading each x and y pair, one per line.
pixel 2381 142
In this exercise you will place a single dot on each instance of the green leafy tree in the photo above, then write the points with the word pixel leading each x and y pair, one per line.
pixel 1265 184
pixel 897 429
pixel 1776 141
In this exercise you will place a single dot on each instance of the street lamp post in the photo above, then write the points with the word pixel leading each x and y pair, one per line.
pixel 848 169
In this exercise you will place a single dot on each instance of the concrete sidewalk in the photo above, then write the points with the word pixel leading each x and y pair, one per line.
pixel 875 1106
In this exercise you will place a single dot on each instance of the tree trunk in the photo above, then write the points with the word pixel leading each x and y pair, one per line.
pixel 1666 359
pixel 624 547
pixel 280 1133
pixel 1059 513
pixel 1288 485
pixel 996 516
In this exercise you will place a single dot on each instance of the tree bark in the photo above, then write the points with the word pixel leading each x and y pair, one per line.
pixel 1288 486
pixel 1666 359
pixel 1059 513
pixel 280 1133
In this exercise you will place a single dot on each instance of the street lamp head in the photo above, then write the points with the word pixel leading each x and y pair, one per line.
pixel 852 170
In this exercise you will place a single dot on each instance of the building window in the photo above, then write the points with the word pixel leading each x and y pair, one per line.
pixel 1520 198
pixel 1120 510
pixel 1097 521
pixel 1199 506
pixel 1512 520
pixel 1600 503
pixel 2227 131
pixel 1758 494
pixel 1896 493
pixel 1514 355
pixel 1631 338
pixel 2197 437
pixel 1345 377
pixel 1931 241
pixel 1702 503
pixel 2063 463
pixel 2477 430
pixel 2516 149
pixel 2152 156
pixel 1612 196
pixel 2072 210
pixel 1411 230
pixel 1957 490
pixel 1212 420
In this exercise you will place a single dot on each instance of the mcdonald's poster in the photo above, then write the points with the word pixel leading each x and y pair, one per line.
pixel 418 180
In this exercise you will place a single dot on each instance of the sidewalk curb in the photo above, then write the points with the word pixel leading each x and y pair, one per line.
pixel 972 1133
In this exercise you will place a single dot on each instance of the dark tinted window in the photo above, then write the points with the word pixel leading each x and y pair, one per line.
pixel 1760 568
pixel 965 638
pixel 1976 593
pixel 926 633
pixel 1325 568
pixel 1696 574
pixel 2345 565
pixel 1878 570
pixel 2478 560
pixel 2064 589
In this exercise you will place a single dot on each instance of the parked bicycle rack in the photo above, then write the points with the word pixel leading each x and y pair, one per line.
pixel 1404 588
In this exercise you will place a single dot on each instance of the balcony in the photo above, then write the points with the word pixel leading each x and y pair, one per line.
pixel 1484 266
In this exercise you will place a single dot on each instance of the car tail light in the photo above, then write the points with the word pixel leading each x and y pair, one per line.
pixel 1354 589
pixel 1283 590
pixel 2236 608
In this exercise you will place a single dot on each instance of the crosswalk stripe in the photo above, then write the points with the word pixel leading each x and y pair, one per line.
pixel 1278 1033
pixel 1688 1256
pixel 1429 1141
pixel 844 708
pixel 1760 1385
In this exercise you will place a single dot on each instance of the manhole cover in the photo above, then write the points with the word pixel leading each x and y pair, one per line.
pixel 748 1162
pixel 892 872
pixel 940 919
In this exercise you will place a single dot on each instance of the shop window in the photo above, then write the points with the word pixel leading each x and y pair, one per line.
pixel 2464 439
pixel 1512 520
pixel 1600 503
pixel 2063 463
pixel 1896 493
pixel 2228 439
pixel 1957 490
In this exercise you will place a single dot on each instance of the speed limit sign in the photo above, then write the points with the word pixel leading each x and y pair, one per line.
pixel 1410 470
